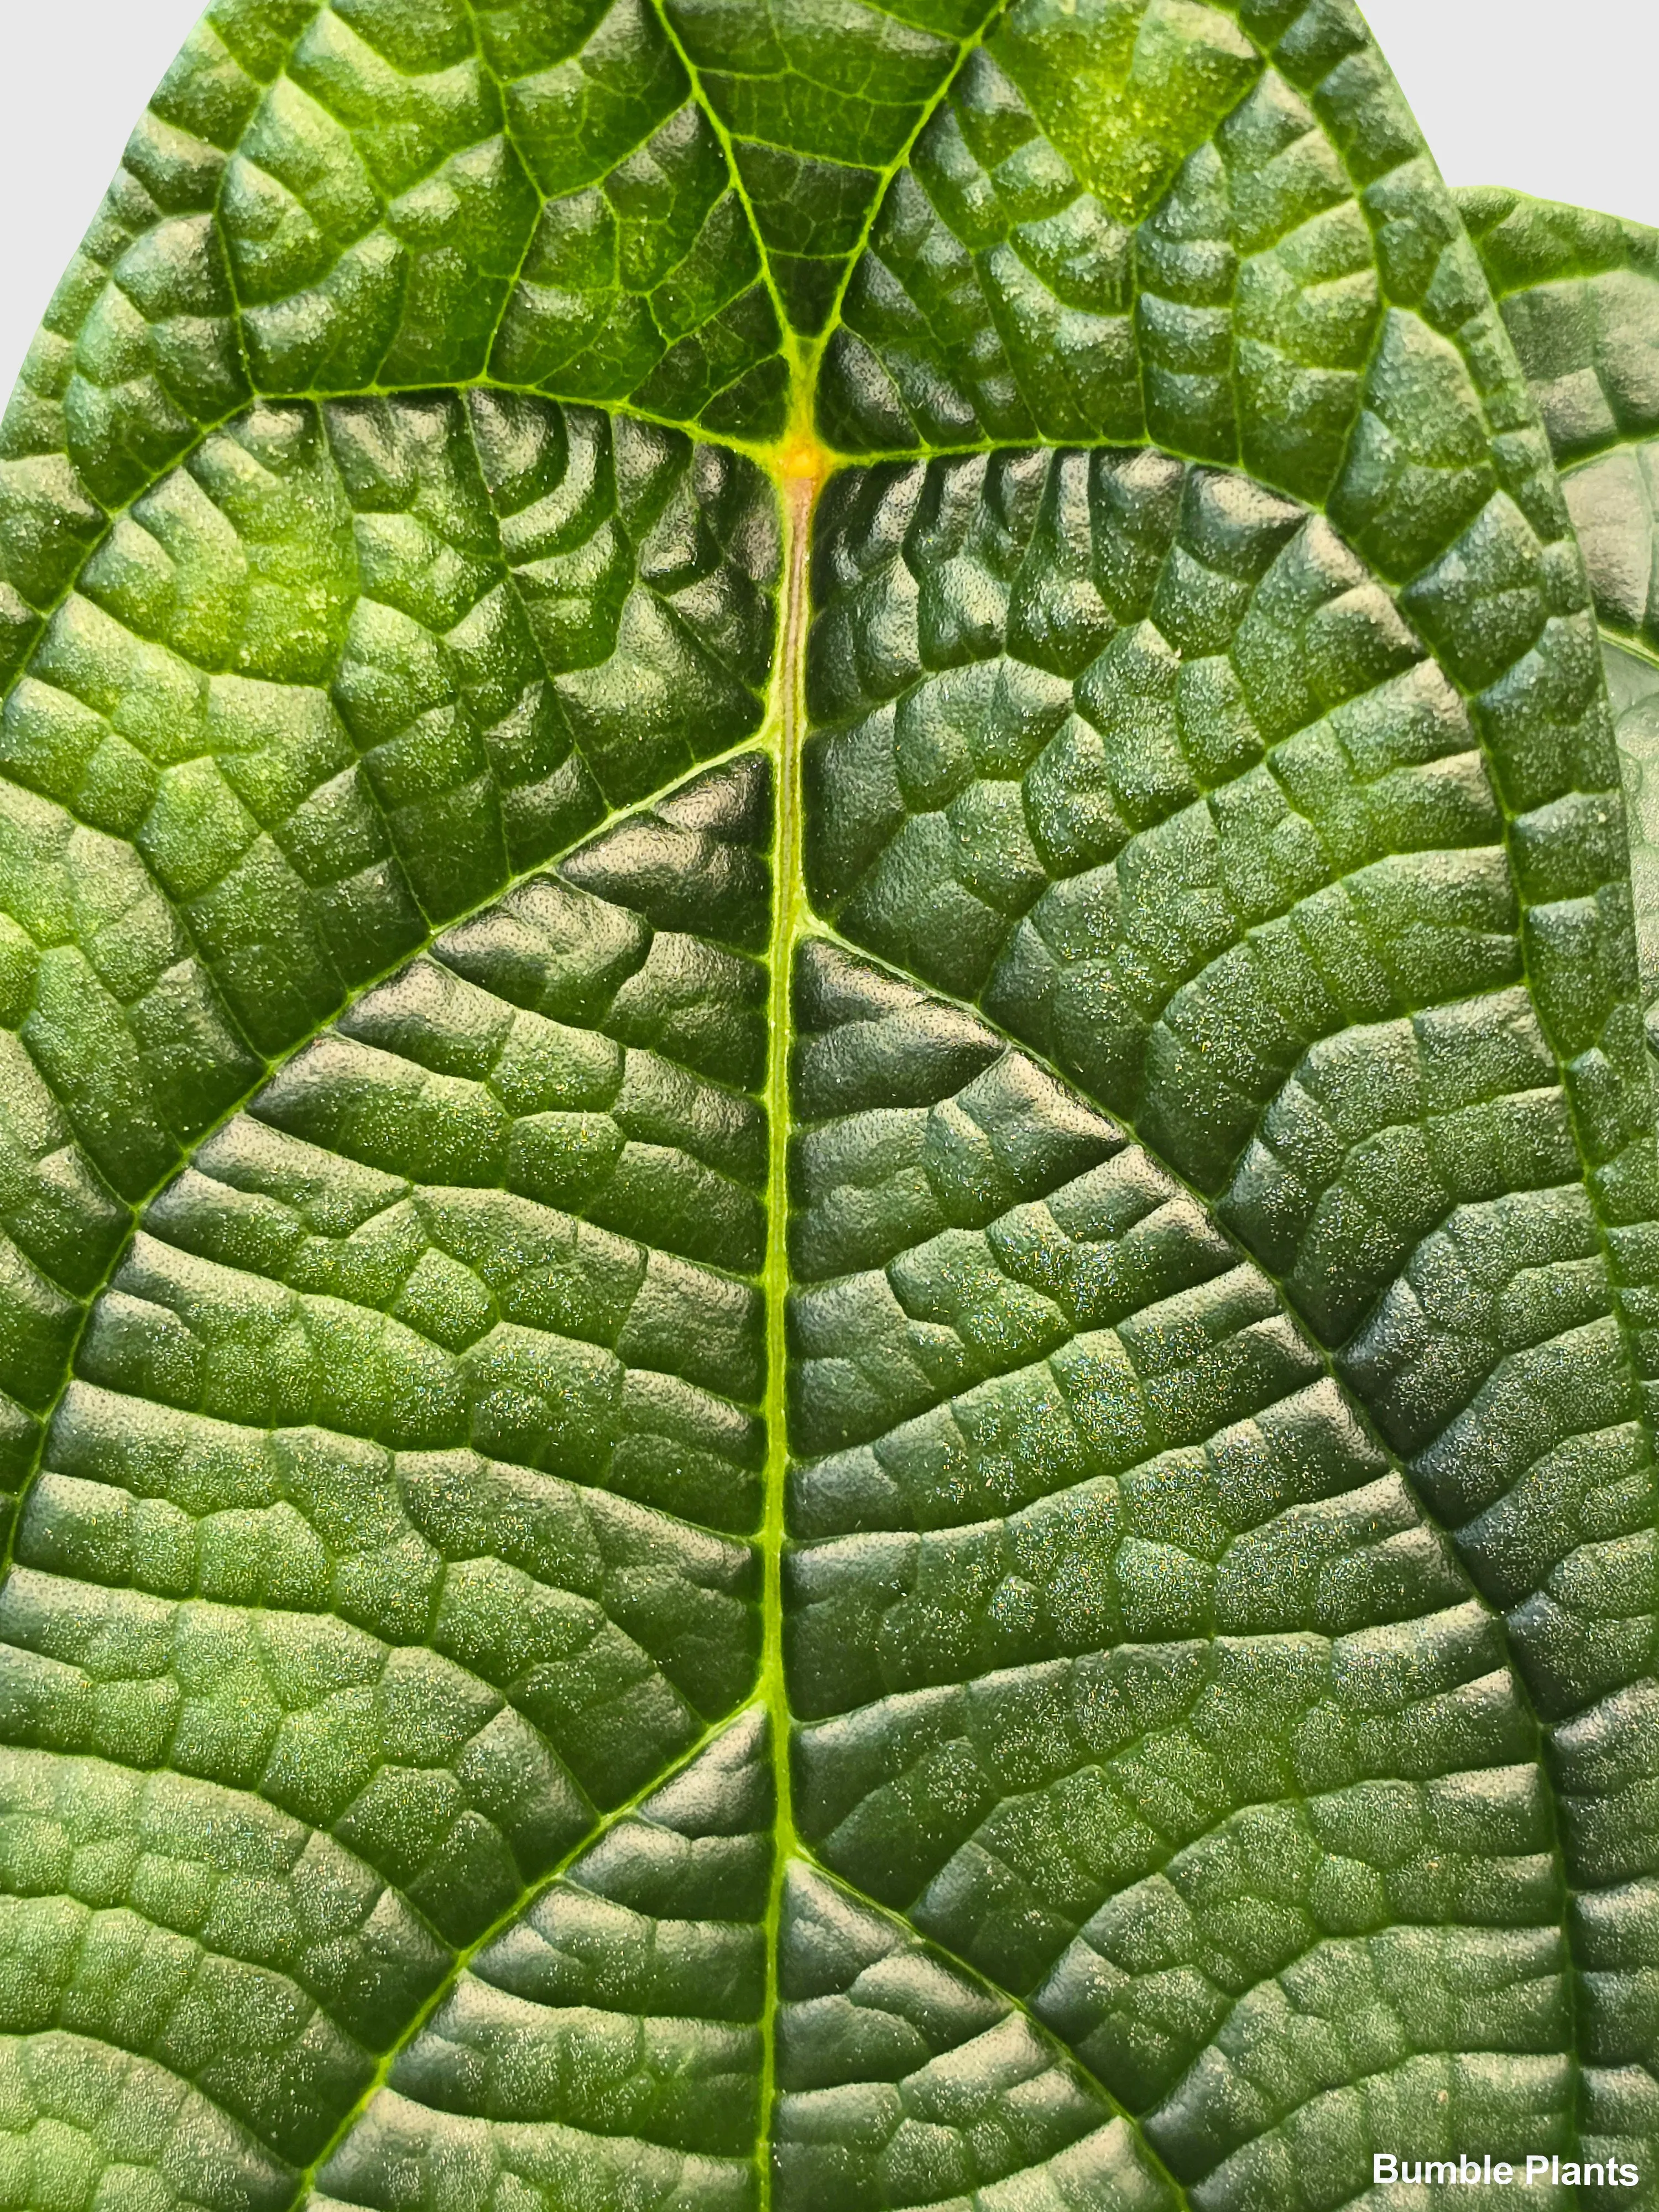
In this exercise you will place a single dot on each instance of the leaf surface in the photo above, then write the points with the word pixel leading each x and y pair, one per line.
pixel 1580 295
pixel 826 1163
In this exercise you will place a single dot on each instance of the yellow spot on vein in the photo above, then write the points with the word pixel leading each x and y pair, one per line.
pixel 802 460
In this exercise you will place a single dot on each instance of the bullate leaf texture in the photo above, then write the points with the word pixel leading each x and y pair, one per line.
pixel 829 1209
pixel 1580 294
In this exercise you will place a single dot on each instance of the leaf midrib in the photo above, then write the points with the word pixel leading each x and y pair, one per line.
pixel 787 1847
pixel 789 909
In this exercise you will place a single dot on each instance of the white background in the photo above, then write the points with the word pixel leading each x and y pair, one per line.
pixel 1560 101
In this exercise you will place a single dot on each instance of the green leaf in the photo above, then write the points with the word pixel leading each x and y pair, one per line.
pixel 1580 296
pixel 828 1198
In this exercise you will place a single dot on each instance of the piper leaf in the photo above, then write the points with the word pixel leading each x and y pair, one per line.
pixel 827 1198
pixel 1580 294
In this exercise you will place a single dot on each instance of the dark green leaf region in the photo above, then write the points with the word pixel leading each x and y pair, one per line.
pixel 829 1209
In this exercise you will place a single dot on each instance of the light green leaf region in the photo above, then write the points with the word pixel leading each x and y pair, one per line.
pixel 1580 294
pixel 828 1253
